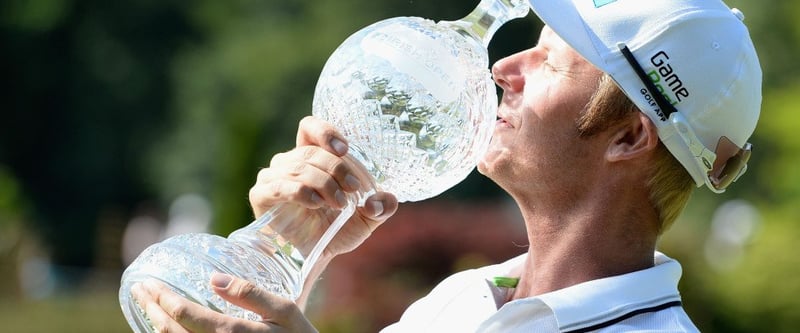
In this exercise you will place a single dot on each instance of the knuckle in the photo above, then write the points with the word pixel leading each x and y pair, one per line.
pixel 328 132
pixel 263 174
pixel 277 189
pixel 296 169
pixel 309 153
pixel 255 197
pixel 303 193
pixel 284 308
pixel 179 312
pixel 278 158
pixel 263 195
pixel 307 121
pixel 161 328
pixel 266 195
pixel 246 290
pixel 253 194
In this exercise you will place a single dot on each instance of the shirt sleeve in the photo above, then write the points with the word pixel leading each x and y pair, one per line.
pixel 460 303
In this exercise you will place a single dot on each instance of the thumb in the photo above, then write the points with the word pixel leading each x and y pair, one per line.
pixel 270 307
pixel 378 208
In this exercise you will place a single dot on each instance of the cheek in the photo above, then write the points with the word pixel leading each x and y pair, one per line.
pixel 547 137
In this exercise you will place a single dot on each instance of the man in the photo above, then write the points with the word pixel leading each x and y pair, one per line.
pixel 598 173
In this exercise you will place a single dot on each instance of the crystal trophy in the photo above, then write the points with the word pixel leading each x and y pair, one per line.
pixel 417 104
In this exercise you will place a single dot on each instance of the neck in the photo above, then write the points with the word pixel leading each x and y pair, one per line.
pixel 587 237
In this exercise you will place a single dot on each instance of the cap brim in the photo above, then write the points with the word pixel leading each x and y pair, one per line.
pixel 564 18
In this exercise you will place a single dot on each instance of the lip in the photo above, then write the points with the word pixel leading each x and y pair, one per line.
pixel 502 122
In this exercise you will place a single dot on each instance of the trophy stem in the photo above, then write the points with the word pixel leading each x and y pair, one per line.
pixel 338 223
pixel 368 170
pixel 263 236
pixel 484 21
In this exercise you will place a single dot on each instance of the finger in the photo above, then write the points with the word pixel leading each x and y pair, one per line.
pixel 317 132
pixel 192 317
pixel 246 295
pixel 265 195
pixel 378 208
pixel 317 162
pixel 157 317
pixel 304 176
pixel 312 189
pixel 272 308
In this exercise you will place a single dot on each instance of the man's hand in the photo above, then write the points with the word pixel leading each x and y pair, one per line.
pixel 169 312
pixel 317 173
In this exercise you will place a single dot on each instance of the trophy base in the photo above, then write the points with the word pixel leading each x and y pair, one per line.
pixel 185 264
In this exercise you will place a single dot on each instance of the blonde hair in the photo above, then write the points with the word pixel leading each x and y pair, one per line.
pixel 670 184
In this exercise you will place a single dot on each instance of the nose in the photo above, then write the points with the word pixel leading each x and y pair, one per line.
pixel 507 73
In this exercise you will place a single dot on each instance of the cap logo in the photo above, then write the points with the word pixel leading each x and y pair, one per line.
pixel 652 101
pixel 601 3
pixel 665 74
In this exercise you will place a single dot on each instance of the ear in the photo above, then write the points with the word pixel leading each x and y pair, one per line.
pixel 635 137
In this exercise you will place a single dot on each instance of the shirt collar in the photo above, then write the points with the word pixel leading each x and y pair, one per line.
pixel 614 298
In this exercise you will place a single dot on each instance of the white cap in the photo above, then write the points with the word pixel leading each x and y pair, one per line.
pixel 698 52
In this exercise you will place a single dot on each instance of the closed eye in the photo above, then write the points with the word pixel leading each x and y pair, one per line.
pixel 562 70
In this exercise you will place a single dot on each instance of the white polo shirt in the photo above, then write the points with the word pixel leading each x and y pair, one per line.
pixel 646 300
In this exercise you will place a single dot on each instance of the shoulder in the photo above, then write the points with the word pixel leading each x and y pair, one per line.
pixel 458 303
pixel 645 300
pixel 671 319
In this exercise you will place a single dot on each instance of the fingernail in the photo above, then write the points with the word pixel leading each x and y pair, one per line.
pixel 340 198
pixel 352 182
pixel 377 207
pixel 339 146
pixel 220 280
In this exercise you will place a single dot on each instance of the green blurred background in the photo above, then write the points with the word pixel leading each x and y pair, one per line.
pixel 125 122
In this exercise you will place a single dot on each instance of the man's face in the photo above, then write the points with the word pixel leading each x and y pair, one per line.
pixel 535 141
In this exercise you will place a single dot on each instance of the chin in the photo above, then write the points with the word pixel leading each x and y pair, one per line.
pixel 482 167
pixel 497 163
pixel 487 164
